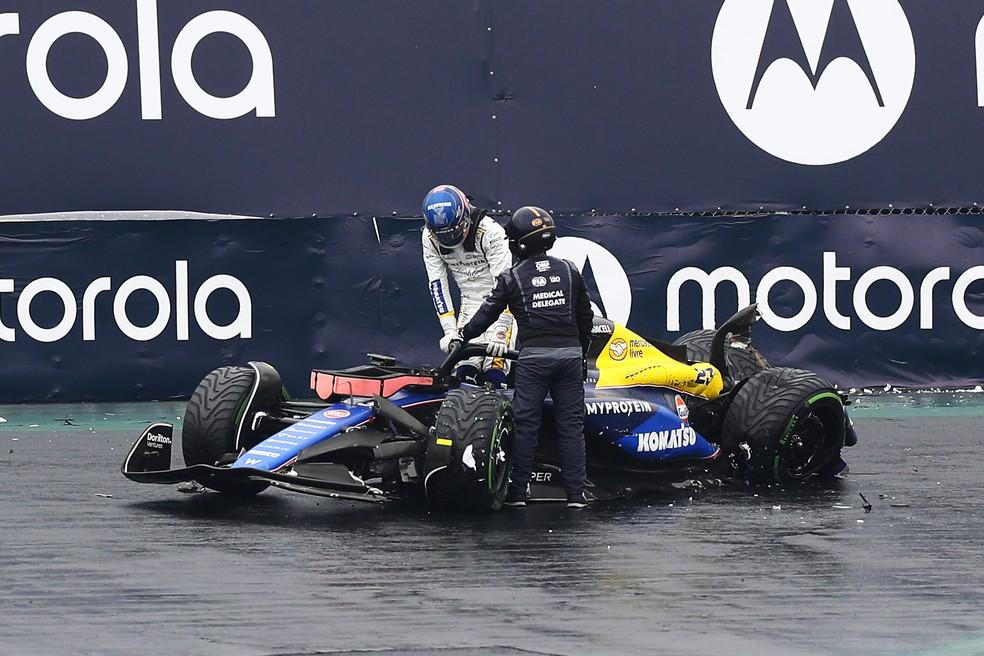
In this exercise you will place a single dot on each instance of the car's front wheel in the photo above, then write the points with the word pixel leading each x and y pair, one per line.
pixel 217 419
pixel 469 452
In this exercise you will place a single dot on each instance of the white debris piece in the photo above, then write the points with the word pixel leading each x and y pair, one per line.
pixel 468 458
pixel 777 507
pixel 2 420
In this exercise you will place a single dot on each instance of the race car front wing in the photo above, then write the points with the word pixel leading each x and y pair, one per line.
pixel 149 461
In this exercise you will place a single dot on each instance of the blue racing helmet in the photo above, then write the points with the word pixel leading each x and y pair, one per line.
pixel 448 214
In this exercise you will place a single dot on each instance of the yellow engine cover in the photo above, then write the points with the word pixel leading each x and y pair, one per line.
pixel 628 360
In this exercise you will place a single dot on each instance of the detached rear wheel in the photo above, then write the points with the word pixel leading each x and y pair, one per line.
pixel 470 451
pixel 744 360
pixel 783 426
pixel 211 432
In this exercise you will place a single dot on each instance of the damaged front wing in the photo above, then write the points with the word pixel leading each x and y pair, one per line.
pixel 149 461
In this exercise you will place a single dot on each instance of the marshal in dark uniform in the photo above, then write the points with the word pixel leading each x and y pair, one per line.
pixel 552 313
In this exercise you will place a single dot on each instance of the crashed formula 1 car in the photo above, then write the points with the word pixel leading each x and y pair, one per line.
pixel 706 408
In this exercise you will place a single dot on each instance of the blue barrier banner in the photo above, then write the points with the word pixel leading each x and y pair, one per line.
pixel 303 107
pixel 113 310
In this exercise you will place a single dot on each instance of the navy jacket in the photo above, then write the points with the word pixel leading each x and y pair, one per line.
pixel 547 299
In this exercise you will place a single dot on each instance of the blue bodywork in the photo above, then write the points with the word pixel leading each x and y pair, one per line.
pixel 646 424
pixel 281 448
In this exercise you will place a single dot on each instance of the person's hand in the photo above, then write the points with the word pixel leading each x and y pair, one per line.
pixel 449 341
pixel 498 346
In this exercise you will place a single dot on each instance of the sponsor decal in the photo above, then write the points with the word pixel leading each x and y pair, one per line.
pixel 665 440
pixel 336 414
pixel 539 281
pixel 601 329
pixel 240 327
pixel 543 265
pixel 256 97
pixel 623 407
pixel 813 82
pixel 637 348
pixel 618 349
pixel 437 294
pixel 439 212
pixel 681 408
pixel 541 477
pixel 264 454
pixel 554 279
pixel 155 438
pixel 252 461
pixel 536 223
pixel 832 275
pixel 604 276
pixel 157 442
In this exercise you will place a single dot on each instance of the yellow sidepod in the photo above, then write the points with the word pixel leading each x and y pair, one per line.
pixel 629 360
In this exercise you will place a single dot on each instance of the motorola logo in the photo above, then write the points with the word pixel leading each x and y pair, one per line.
pixel 608 286
pixel 813 82
pixel 257 97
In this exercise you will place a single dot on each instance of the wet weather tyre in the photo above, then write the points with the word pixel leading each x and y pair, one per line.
pixel 744 360
pixel 783 426
pixel 211 424
pixel 476 428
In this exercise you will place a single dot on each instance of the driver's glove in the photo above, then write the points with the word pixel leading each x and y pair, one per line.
pixel 499 343
pixel 449 341
pixel 498 346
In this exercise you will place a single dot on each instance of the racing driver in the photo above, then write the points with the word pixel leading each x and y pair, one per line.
pixel 461 239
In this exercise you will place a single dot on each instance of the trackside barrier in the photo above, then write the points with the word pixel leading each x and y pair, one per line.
pixel 115 310
pixel 334 108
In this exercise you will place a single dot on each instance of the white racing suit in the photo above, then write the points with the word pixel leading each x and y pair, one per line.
pixel 474 265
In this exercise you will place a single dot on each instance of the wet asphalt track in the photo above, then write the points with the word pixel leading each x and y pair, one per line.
pixel 145 570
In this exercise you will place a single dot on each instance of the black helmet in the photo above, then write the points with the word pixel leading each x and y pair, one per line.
pixel 531 231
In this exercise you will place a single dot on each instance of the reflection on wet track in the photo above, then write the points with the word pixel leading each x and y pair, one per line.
pixel 95 564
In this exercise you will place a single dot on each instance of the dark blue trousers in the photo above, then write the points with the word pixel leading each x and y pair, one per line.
pixel 559 372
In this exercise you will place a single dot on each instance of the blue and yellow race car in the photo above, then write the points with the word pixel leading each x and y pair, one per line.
pixel 707 408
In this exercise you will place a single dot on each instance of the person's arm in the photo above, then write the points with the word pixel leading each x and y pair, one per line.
pixel 495 245
pixel 491 309
pixel 437 276
pixel 582 311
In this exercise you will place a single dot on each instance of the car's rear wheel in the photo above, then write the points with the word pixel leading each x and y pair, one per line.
pixel 214 430
pixel 744 360
pixel 469 452
pixel 783 426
